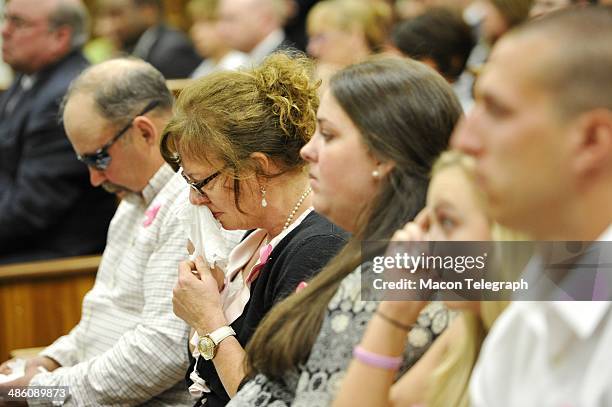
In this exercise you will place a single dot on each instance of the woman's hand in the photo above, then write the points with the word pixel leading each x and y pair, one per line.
pixel 410 240
pixel 196 299
pixel 414 231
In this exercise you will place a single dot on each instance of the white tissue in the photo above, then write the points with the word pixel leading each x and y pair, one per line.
pixel 209 239
pixel 17 370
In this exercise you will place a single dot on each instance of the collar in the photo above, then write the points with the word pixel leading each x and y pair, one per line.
pixel 582 317
pixel 267 46
pixel 156 183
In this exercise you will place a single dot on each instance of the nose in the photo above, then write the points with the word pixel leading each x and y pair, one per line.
pixel 196 198
pixel 465 138
pixel 309 151
pixel 5 30
pixel 96 177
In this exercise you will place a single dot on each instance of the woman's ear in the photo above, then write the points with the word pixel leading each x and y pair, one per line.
pixel 263 162
pixel 384 168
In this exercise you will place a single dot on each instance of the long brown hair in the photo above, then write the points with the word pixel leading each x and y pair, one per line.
pixel 405 112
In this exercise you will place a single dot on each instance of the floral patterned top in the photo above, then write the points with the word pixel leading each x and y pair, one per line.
pixel 316 382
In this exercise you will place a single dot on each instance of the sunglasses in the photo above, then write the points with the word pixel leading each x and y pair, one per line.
pixel 198 186
pixel 100 160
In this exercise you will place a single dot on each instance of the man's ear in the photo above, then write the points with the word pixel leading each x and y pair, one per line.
pixel 63 35
pixel 593 142
pixel 147 131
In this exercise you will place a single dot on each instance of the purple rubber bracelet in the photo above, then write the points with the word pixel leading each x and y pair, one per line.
pixel 376 360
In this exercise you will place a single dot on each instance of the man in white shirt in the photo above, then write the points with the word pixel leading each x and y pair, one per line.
pixel 254 26
pixel 129 348
pixel 541 133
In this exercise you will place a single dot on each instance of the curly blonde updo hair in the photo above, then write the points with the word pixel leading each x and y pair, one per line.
pixel 228 116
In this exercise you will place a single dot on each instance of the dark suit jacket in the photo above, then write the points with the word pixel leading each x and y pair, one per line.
pixel 47 206
pixel 169 51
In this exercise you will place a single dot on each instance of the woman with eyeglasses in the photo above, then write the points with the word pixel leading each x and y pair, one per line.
pixel 237 138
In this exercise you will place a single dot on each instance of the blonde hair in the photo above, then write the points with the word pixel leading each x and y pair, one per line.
pixel 203 9
pixel 449 381
pixel 374 18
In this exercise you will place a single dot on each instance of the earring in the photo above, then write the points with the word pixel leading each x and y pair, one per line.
pixel 375 174
pixel 264 203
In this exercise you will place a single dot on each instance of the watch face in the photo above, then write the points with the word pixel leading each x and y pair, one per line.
pixel 206 346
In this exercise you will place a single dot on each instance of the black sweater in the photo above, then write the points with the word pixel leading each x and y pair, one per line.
pixel 296 258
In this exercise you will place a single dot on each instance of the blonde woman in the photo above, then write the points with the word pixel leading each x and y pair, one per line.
pixel 455 211
pixel 343 32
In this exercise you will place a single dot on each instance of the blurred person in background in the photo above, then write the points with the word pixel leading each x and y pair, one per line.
pixel 411 8
pixel 208 41
pixel 295 27
pixel 542 7
pixel 492 19
pixel 6 75
pixel 440 38
pixel 254 27
pixel 139 29
pixel 501 15
pixel 343 32
pixel 47 207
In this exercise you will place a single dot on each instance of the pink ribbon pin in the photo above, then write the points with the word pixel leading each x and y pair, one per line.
pixel 150 215
pixel 264 253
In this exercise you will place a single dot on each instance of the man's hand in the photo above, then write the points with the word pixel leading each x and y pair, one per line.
pixel 31 370
pixel 32 364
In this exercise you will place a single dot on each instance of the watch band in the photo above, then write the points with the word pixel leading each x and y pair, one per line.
pixel 220 334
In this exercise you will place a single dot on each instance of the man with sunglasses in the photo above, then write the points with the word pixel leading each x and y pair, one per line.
pixel 129 348
pixel 46 202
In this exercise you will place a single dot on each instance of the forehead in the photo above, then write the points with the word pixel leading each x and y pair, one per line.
pixel 30 9
pixel 234 7
pixel 85 127
pixel 452 184
pixel 512 71
pixel 330 109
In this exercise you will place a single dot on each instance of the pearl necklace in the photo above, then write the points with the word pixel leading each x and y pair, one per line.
pixel 296 207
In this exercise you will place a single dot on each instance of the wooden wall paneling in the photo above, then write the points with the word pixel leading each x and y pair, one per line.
pixel 39 302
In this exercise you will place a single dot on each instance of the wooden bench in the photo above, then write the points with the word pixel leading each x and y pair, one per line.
pixel 40 301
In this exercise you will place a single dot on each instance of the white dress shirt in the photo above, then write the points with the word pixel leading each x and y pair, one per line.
pixel 547 354
pixel 266 47
pixel 230 62
pixel 129 348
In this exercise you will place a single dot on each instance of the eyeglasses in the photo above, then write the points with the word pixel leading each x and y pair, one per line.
pixel 100 160
pixel 18 22
pixel 198 186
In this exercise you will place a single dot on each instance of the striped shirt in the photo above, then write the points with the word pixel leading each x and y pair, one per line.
pixel 129 348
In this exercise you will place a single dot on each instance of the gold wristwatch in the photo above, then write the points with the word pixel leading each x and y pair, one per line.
pixel 207 345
